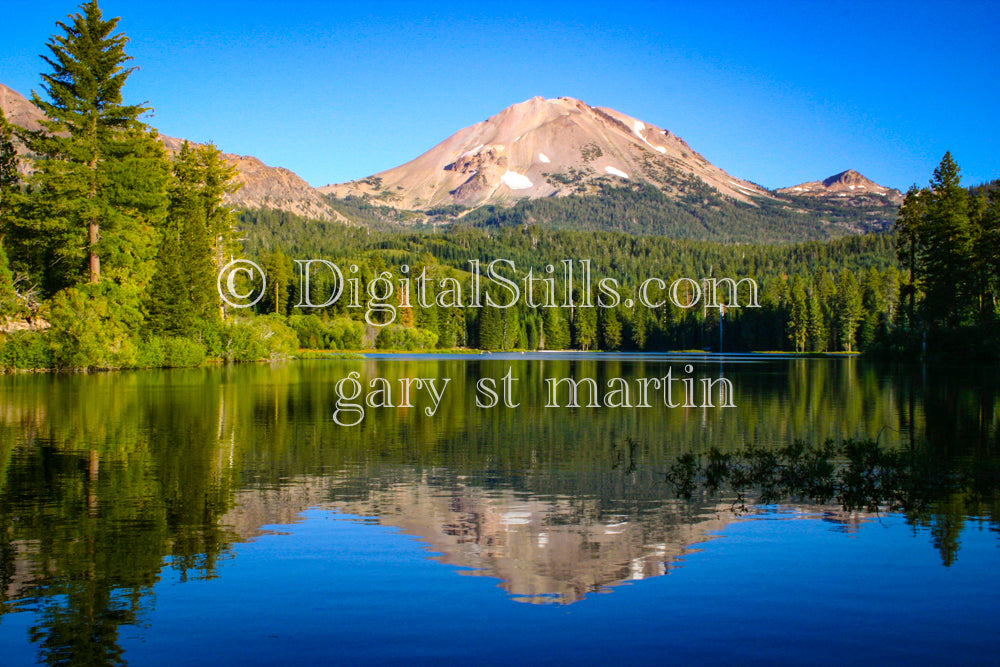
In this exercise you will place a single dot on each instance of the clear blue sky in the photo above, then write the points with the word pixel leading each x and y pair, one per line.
pixel 771 92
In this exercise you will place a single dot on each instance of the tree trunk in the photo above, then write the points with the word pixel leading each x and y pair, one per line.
pixel 95 260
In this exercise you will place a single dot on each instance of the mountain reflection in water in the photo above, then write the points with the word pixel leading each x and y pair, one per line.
pixel 542 549
pixel 110 483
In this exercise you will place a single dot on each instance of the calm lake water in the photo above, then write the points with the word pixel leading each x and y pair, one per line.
pixel 223 516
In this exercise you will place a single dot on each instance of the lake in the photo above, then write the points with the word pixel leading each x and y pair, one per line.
pixel 366 511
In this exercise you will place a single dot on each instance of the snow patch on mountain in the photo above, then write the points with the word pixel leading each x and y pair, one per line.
pixel 516 181
pixel 472 152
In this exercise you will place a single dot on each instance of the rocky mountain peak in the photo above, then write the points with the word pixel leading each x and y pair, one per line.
pixel 849 185
pixel 542 148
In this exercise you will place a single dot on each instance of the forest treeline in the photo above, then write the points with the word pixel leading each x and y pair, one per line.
pixel 692 210
pixel 110 250
pixel 820 297
pixel 915 290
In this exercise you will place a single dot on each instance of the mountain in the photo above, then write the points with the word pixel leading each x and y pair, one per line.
pixel 562 164
pixel 847 185
pixel 19 111
pixel 263 186
pixel 270 187
pixel 540 148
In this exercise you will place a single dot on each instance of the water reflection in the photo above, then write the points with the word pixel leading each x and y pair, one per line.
pixel 542 549
pixel 105 480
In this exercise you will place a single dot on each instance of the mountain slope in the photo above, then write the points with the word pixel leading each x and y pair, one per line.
pixel 263 186
pixel 540 148
pixel 18 110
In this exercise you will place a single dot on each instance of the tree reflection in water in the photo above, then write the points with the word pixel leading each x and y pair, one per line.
pixel 107 480
pixel 855 474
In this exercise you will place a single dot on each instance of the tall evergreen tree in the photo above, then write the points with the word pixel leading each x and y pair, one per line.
pixel 873 309
pixel 825 294
pixel 9 182
pixel 639 327
pixel 584 328
pixel 279 276
pixel 798 322
pixel 219 178
pixel 946 260
pixel 985 218
pixel 610 328
pixel 168 308
pixel 491 328
pixel 101 176
pixel 8 159
pixel 817 322
pixel 512 330
pixel 847 309
pixel 909 230
pixel 183 293
pixel 555 329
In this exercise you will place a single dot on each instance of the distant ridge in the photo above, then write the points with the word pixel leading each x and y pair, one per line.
pixel 263 186
pixel 847 184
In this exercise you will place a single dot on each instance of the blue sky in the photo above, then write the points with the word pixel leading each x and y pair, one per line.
pixel 774 93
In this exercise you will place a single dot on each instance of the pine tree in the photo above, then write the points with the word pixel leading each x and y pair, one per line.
pixel 219 179
pixel 101 176
pixel 279 275
pixel 8 161
pixel 909 229
pixel 556 329
pixel 610 326
pixel 985 223
pixel 639 327
pixel 817 322
pixel 9 182
pixel 513 331
pixel 491 334
pixel 584 328
pixel 531 332
pixel 428 319
pixel 946 259
pixel 824 295
pixel 168 308
pixel 798 322
pixel 847 309
pixel 873 309
pixel 989 253
pixel 183 294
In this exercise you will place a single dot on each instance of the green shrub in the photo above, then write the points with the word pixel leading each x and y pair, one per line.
pixel 255 338
pixel 91 326
pixel 182 353
pixel 150 353
pixel 314 333
pixel 25 350
pixel 310 331
pixel 176 352
pixel 212 336
pixel 344 333
pixel 396 337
